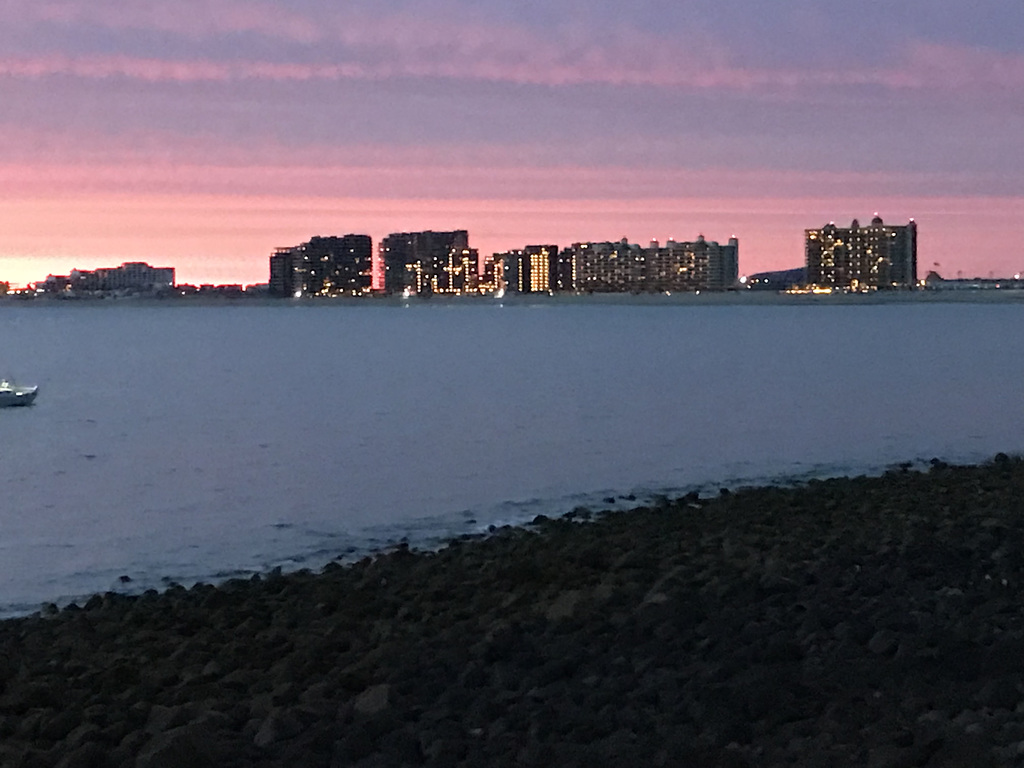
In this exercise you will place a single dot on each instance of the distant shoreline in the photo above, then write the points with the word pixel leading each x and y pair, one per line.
pixel 704 298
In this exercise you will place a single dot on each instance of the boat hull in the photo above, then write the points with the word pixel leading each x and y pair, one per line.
pixel 17 396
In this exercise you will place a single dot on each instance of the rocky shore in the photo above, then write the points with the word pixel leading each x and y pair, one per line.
pixel 865 621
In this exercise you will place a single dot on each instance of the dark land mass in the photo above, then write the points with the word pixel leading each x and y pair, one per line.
pixel 865 621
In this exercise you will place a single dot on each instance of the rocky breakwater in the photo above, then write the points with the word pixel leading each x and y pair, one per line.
pixel 868 621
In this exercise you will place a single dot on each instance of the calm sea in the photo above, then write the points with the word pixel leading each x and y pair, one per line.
pixel 178 442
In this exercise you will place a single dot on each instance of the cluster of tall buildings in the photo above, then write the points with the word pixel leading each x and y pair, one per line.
pixel 623 267
pixel 417 262
pixel 877 256
pixel 855 258
pixel 428 263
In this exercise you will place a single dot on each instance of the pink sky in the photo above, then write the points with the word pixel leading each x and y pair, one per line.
pixel 204 135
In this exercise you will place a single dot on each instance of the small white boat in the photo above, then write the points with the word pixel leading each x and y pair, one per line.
pixel 11 395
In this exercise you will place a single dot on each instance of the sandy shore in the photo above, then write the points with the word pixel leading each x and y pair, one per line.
pixel 867 621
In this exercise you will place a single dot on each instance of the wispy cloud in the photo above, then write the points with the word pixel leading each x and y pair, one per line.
pixel 957 67
pixel 409 175
pixel 154 70
pixel 625 63
pixel 191 19
pixel 239 40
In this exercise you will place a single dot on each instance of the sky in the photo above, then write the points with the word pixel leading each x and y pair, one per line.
pixel 202 134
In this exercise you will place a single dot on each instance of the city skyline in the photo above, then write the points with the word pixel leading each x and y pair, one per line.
pixel 209 134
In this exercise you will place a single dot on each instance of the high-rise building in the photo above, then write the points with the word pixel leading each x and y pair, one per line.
pixel 490 278
pixel 531 269
pixel 723 264
pixel 324 266
pixel 510 263
pixel 857 258
pixel 563 271
pixel 608 267
pixel 538 262
pixel 430 262
pixel 281 280
pixel 701 265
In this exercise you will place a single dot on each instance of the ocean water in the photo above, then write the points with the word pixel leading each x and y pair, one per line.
pixel 179 442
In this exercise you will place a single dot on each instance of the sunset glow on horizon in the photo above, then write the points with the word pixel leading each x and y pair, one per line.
pixel 204 136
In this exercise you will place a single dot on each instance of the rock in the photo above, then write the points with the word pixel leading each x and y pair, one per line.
pixel 89 755
pixel 23 696
pixel 884 642
pixel 373 700
pixel 1005 657
pixel 402 747
pixel 162 718
pixel 1012 752
pixel 563 606
pixel 959 750
pixel 352 747
pixel 1000 693
pixel 194 746
pixel 892 756
pixel 82 734
pixel 278 726
pixel 60 725
pixel 124 754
